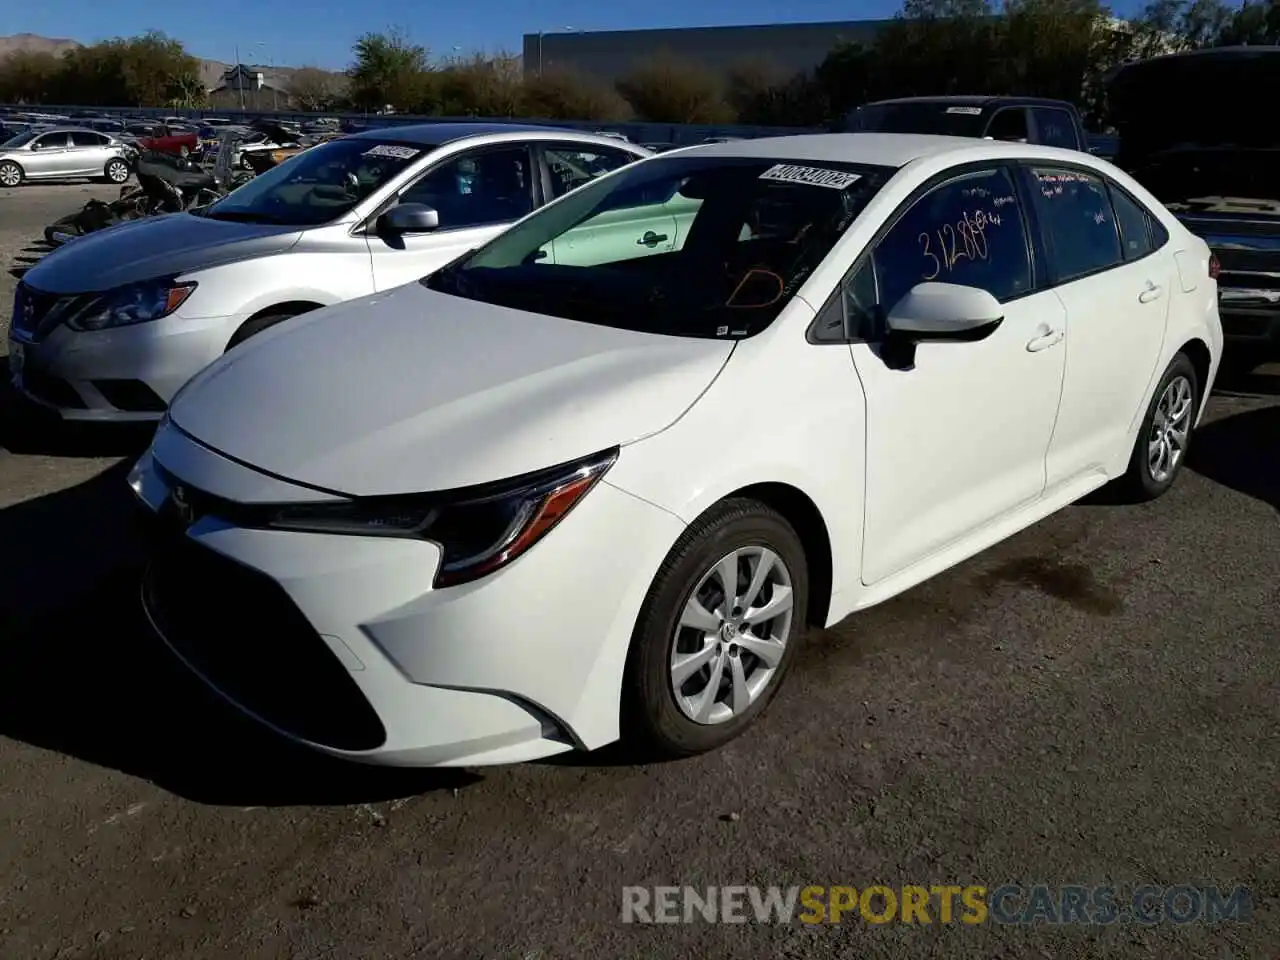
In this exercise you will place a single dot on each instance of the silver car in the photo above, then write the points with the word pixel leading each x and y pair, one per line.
pixel 110 326
pixel 61 153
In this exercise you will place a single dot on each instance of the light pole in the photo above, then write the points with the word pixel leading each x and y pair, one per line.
pixel 543 33
pixel 238 73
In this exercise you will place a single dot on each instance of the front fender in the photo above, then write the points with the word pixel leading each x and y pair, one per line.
pixel 784 412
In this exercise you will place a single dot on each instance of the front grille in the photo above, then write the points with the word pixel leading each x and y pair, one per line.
pixel 51 390
pixel 132 396
pixel 241 631
pixel 36 314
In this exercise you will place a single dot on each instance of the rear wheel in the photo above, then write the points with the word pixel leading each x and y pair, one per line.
pixel 10 174
pixel 718 632
pixel 1160 451
pixel 117 171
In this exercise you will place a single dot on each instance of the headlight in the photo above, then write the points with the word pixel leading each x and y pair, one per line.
pixel 478 530
pixel 136 303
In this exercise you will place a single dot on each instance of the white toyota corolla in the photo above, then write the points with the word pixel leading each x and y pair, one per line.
pixel 568 489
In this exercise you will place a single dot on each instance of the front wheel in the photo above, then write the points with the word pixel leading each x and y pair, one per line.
pixel 1160 451
pixel 718 632
pixel 10 174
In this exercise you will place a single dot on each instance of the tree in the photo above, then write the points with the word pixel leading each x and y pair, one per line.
pixel 389 70
pixel 156 69
pixel 313 88
pixel 762 94
pixel 665 90
pixel 560 94
pixel 27 77
pixel 478 87
pixel 844 78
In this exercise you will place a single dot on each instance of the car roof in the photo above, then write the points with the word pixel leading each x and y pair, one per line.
pixel 974 100
pixel 71 128
pixel 438 134
pixel 877 149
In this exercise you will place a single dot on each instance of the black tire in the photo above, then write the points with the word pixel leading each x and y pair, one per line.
pixel 116 171
pixel 652 721
pixel 1139 484
pixel 256 325
pixel 7 170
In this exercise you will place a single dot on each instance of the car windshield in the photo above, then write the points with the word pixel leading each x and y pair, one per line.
pixel 936 117
pixel 696 246
pixel 21 140
pixel 318 185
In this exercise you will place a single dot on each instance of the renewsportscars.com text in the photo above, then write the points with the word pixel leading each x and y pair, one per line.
pixel 937 903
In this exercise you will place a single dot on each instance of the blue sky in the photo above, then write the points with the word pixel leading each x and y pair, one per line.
pixel 296 32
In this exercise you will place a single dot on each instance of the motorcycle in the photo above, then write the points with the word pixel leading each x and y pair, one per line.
pixel 165 184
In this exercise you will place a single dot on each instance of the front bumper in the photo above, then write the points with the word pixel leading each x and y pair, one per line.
pixel 340 642
pixel 122 374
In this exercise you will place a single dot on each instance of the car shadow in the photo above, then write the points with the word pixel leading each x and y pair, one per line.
pixel 1248 380
pixel 1241 451
pixel 82 673
pixel 28 428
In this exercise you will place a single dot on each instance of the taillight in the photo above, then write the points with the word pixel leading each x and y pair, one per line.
pixel 1214 267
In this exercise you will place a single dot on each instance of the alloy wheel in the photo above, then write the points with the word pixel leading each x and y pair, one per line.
pixel 117 172
pixel 732 634
pixel 1170 429
pixel 10 175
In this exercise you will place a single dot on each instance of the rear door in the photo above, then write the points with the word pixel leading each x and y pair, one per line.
pixel 1116 285
pixel 88 153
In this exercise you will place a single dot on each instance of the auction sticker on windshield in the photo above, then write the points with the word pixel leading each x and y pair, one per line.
pixel 392 150
pixel 966 111
pixel 814 176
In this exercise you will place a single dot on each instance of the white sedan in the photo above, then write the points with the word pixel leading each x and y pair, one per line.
pixel 567 490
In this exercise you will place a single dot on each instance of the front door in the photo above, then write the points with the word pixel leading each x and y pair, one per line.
pixel 958 440
pixel 52 156
pixel 477 195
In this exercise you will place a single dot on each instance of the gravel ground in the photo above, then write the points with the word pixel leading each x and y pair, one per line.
pixel 1096 701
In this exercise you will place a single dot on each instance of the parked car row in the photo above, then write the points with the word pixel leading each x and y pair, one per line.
pixel 431 482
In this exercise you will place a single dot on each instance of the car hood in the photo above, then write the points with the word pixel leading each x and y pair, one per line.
pixel 413 391
pixel 157 246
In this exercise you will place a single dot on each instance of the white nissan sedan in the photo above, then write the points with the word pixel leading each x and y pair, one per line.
pixel 569 489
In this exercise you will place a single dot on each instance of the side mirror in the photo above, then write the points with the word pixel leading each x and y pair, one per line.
pixel 409 218
pixel 945 311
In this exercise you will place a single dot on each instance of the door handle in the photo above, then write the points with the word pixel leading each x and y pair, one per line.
pixel 651 239
pixel 1045 341
pixel 1152 292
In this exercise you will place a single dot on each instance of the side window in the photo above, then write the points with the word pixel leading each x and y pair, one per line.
pixel 850 313
pixel 968 231
pixel 1055 128
pixel 571 168
pixel 1135 228
pixel 1159 235
pixel 51 141
pixel 1009 124
pixel 83 138
pixel 479 189
pixel 1076 215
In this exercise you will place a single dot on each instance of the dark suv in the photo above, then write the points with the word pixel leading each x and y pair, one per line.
pixel 1054 123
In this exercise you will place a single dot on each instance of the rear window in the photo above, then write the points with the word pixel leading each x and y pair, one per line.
pixel 936 117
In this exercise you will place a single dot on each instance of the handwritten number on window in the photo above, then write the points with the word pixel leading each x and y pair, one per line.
pixel 966 239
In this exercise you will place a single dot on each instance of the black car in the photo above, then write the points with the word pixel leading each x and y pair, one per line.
pixel 1054 123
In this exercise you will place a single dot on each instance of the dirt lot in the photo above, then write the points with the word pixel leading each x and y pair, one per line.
pixel 1096 701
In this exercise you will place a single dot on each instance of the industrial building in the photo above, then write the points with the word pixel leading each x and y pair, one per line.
pixel 606 56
